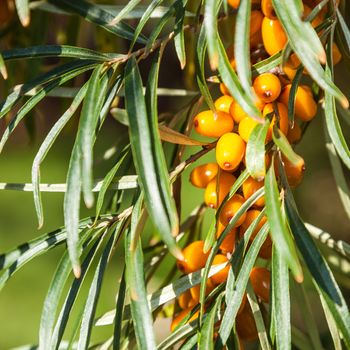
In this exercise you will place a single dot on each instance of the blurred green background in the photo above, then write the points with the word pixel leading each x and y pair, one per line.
pixel 22 298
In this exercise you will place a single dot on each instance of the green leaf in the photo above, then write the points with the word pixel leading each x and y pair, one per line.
pixel 179 38
pixel 279 232
pixel 46 146
pixel 148 154
pixel 280 285
pixel 333 126
pixel 242 46
pixel 3 70
pixel 344 27
pixel 42 51
pixel 124 11
pixel 135 280
pixel 94 292
pixel 206 335
pixel 119 313
pixel 267 64
pixel 33 101
pixel 89 118
pixel 97 15
pixel 255 153
pixel 23 11
pixel 211 9
pixel 233 84
pixel 259 321
pixel 292 94
pixel 282 143
pixel 238 289
pixel 306 44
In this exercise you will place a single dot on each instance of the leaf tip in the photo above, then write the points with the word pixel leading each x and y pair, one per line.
pixel 3 72
pixel 344 102
pixel 77 271
pixel 178 253
pixel 299 278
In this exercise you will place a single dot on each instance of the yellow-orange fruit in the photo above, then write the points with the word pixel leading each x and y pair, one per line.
pixel 194 257
pixel 203 174
pixel 255 41
pixel 226 181
pixel 267 9
pixel 267 87
pixel 185 300
pixel 289 71
pixel 256 19
pixel 336 54
pixel 245 127
pixel 283 118
pixel 180 316
pixel 210 124
pixel 250 217
pixel 228 244
pixel 230 151
pixel 273 35
pixel 316 21
pixel 224 90
pixel 305 106
pixel 223 103
pixel 234 3
pixel 220 276
pixel 249 187
pixel 195 291
pixel 294 172
pixel 245 324
pixel 230 209
pixel 237 112
pixel 260 280
pixel 294 133
pixel 265 251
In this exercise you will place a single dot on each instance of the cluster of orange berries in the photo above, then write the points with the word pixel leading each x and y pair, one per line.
pixel 231 126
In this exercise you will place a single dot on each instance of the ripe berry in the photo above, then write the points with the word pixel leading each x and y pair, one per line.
pixel 256 19
pixel 220 276
pixel 249 187
pixel 267 9
pixel 245 324
pixel 250 217
pixel 223 103
pixel 224 90
pixel 195 291
pixel 274 37
pixel 203 174
pixel 305 105
pixel 283 118
pixel 260 280
pixel 185 300
pixel 180 316
pixel 228 244
pixel 294 133
pixel 245 127
pixel 226 181
pixel 194 257
pixel 230 151
pixel 267 87
pixel 265 251
pixel 230 209
pixel 336 54
pixel 237 113
pixel 294 172
pixel 234 3
pixel 212 124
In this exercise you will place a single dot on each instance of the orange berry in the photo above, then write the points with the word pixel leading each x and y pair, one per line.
pixel 256 19
pixel 273 35
pixel 265 251
pixel 234 3
pixel 220 276
pixel 289 71
pixel 267 87
pixel 305 105
pixel 223 103
pixel 224 90
pixel 237 112
pixel 230 209
pixel 283 118
pixel 250 217
pixel 260 280
pixel 245 127
pixel 228 244
pixel 184 300
pixel 230 151
pixel 195 291
pixel 294 133
pixel 180 316
pixel 267 9
pixel 203 174
pixel 226 181
pixel 245 324
pixel 337 56
pixel 194 257
pixel 316 21
pixel 294 172
pixel 212 124
pixel 255 40
pixel 249 187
